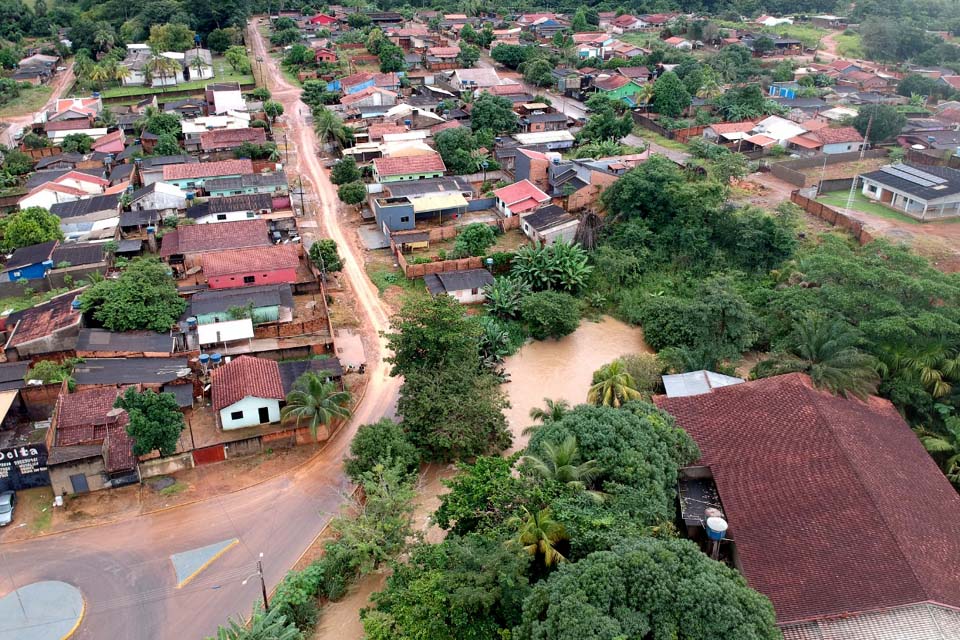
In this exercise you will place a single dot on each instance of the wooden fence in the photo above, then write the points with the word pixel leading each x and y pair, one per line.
pixel 832 216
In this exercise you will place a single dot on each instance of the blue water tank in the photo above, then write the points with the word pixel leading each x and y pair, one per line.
pixel 192 322
pixel 75 305
pixel 204 359
pixel 215 358
pixel 716 527
pixel 47 264
pixel 151 229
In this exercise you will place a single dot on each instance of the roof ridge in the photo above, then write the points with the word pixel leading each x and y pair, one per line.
pixel 808 391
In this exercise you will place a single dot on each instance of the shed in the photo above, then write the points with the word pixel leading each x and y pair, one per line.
pixel 466 286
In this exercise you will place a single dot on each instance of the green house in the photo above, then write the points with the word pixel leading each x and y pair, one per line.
pixel 619 87
pixel 247 185
pixel 263 304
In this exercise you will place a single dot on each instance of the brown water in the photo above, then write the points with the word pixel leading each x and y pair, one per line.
pixel 562 369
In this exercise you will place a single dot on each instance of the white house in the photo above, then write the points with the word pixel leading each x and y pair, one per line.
pixel 550 224
pixel 246 392
pixel 519 197
pixel 780 130
pixel 464 286
pixel 231 208
pixel 221 335
pixel 198 64
pixel 160 196
pixel 48 194
pixel 921 192
pixel 223 97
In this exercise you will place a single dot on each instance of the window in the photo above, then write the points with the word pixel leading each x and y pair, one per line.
pixel 405 219
pixel 221 216
pixel 474 291
pixel 249 279
pixel 236 415
pixel 250 214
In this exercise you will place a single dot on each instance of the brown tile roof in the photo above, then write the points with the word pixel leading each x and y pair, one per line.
pixel 732 127
pixel 67 125
pixel 85 409
pixel 429 163
pixel 107 139
pixel 44 319
pixel 376 131
pixel 260 259
pixel 245 376
pixel 443 126
pixel 364 93
pixel 221 236
pixel 118 447
pixel 207 169
pixel 839 135
pixel 231 138
pixel 507 89
pixel 611 83
pixel 835 506
pixel 634 73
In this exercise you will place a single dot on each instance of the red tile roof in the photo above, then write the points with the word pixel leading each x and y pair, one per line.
pixel 118 447
pixel 85 409
pixel 44 319
pixel 79 176
pixel 376 131
pixel 634 73
pixel 443 126
pixel 427 163
pixel 807 141
pixel 732 127
pixel 107 139
pixel 231 138
pixel 207 169
pixel 219 236
pixel 245 376
pixel 443 52
pixel 60 188
pixel 953 81
pixel 507 89
pixel 364 93
pixel 626 20
pixel 355 79
pixel 321 18
pixel 839 135
pixel 521 196
pixel 259 260
pixel 834 504
pixel 612 83
pixel 67 125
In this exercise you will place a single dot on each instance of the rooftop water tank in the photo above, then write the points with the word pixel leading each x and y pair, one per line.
pixel 215 359
pixel 716 527
pixel 204 359
pixel 75 305
pixel 192 322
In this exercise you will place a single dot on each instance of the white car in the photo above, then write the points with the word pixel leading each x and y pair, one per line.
pixel 7 501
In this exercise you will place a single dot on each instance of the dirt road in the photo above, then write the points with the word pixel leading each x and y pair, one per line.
pixel 124 569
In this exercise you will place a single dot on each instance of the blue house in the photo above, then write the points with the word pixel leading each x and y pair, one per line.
pixel 784 90
pixel 29 263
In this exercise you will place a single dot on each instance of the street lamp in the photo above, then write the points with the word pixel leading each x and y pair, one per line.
pixel 484 166
pixel 263 585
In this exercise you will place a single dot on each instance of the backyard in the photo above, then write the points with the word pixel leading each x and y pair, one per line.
pixel 838 200
pixel 223 72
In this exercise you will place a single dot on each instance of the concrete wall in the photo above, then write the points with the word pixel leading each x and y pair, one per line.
pixel 230 216
pixel 92 468
pixel 166 466
pixel 249 407
pixel 479 204
pixel 276 276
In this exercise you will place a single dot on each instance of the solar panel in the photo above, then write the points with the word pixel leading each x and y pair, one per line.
pixel 921 174
pixel 896 172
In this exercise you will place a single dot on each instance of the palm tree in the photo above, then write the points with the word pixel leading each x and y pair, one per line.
pixel 198 65
pixel 317 400
pixel 612 386
pixel 944 447
pixel 826 350
pixel 163 67
pixel 551 411
pixel 645 96
pixel 539 534
pixel 121 73
pixel 933 361
pixel 328 126
pixel 99 74
pixel 561 463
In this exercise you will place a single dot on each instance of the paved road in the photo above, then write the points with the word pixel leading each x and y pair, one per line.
pixel 124 570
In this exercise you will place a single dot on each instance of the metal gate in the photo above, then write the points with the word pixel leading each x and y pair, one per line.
pixel 207 455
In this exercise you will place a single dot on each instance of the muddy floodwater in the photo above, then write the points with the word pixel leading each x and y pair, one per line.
pixel 562 369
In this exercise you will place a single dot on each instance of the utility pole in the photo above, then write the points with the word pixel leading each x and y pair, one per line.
pixel 263 587
pixel 863 151
pixel 303 210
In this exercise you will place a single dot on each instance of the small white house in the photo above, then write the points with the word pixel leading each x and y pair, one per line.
pixel 466 287
pixel 550 224
pixel 246 392
pixel 231 208
pixel 198 64
pixel 160 196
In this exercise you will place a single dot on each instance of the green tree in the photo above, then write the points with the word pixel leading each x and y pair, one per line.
pixel 474 240
pixel 323 253
pixel 352 193
pixel 263 94
pixel 561 462
pixel 763 44
pixel 358 20
pixel 155 420
pixel 260 626
pixel 17 163
pixel 379 443
pixel 494 113
pixel 670 97
pixel 884 121
pixel 170 37
pixel 550 314
pixel 273 109
pixel 470 587
pixel 345 171
pixel 52 372
pixel 444 421
pixel 825 349
pixel 431 333
pixel 468 34
pixel 167 145
pixel 551 410
pixel 316 401
pixel 468 55
pixel 645 369
pixel 540 535
pixel 505 295
pixel 604 123
pixel 159 123
pixel 647 588
pixel 456 147
pixel 299 55
pixel 219 40
pixel 34 141
pixel 391 58
pixel 29 226
pixel 579 22
pixel 238 59
pixel 143 297
pixel 538 72
pixel 612 386
pixel 944 447
pixel 77 143
pixel 511 55
pixel 482 497
pixel 329 127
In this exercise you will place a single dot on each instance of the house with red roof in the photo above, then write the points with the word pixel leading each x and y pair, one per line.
pixel 626 22
pixel 89 448
pixel 440 58
pixel 194 175
pixel 369 97
pixel 221 140
pixel 836 512
pixel 276 264
pixel 405 168
pixel 185 244
pixel 114 142
pixel 323 20
pixel 519 197
pixel 325 55
pixel 49 327
pixel 246 392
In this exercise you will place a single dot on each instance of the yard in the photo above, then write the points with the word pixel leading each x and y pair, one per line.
pixel 640 38
pixel 844 169
pixel 849 46
pixel 838 200
pixel 223 72
pixel 30 100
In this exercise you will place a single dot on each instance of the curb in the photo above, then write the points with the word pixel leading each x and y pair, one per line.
pixel 206 564
pixel 83 611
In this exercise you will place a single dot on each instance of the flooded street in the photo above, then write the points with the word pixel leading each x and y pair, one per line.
pixel 562 369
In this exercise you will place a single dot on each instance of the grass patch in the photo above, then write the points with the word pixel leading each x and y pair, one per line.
pixel 849 46
pixel 385 277
pixel 838 200
pixel 43 519
pixel 644 39
pixel 26 301
pixel 174 489
pixel 223 72
pixel 29 101
pixel 656 138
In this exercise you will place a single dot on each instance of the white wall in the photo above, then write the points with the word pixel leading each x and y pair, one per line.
pixel 46 199
pixel 231 216
pixel 224 101
pixel 159 200
pixel 466 296
pixel 250 407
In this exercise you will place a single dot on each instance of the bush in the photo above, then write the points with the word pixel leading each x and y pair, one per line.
pixel 382 442
pixel 550 314
pixel 474 240
pixel 645 369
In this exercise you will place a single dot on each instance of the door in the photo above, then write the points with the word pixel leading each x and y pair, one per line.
pixel 79 483
pixel 264 415
pixel 216 453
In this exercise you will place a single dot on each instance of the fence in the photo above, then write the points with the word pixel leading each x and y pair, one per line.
pixel 651 125
pixel 792 170
pixel 932 158
pixel 837 184
pixel 832 216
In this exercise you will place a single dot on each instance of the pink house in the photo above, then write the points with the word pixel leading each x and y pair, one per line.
pixel 250 267
pixel 113 142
